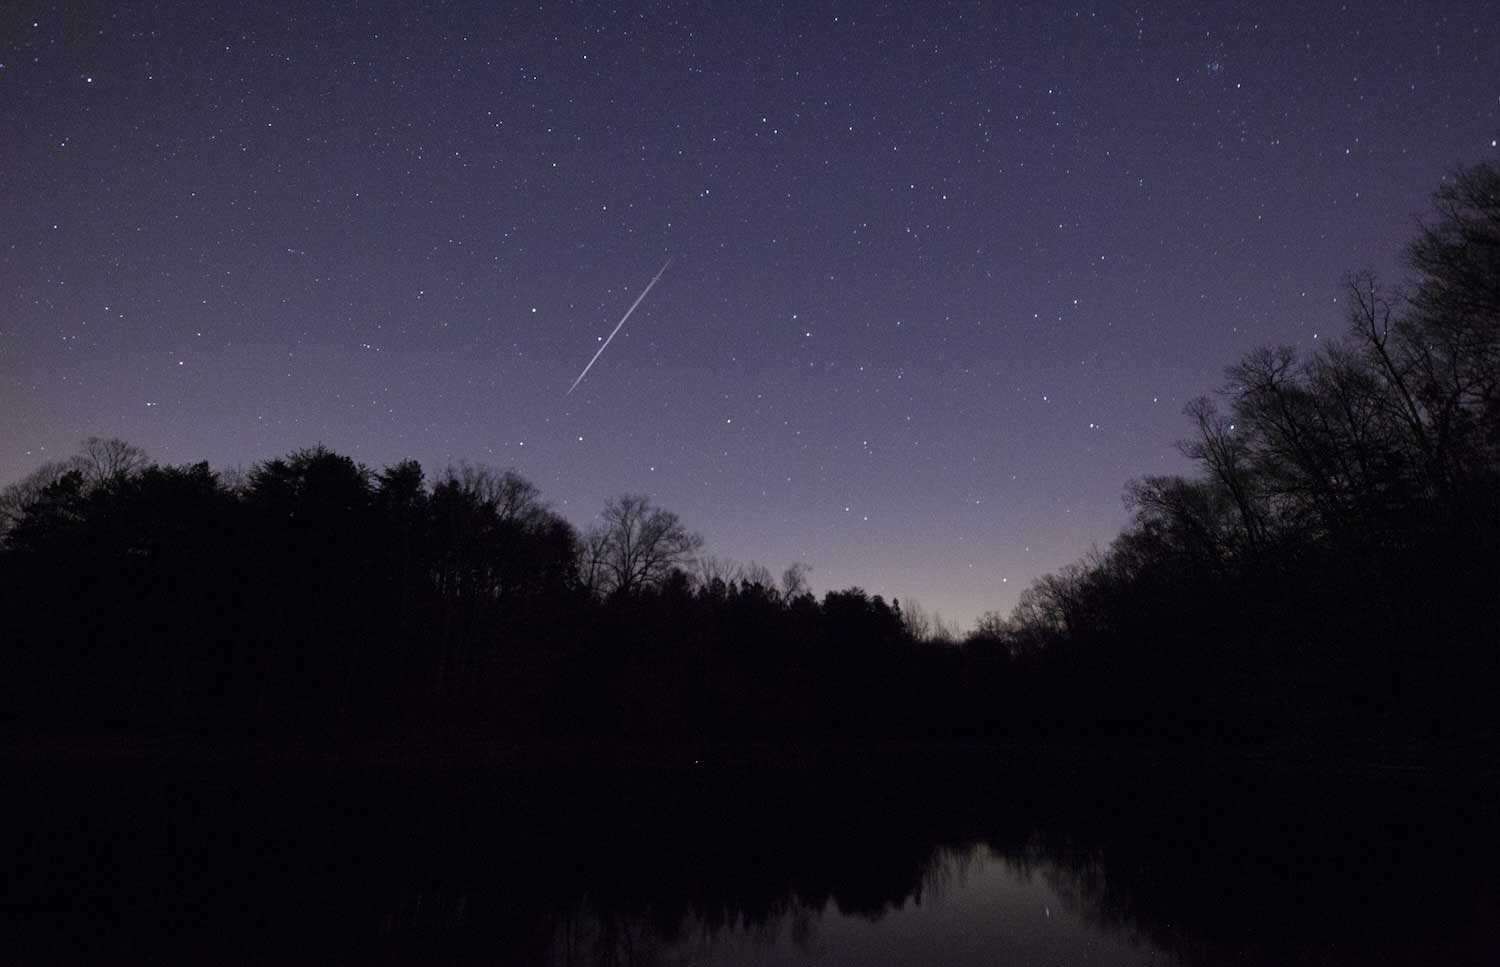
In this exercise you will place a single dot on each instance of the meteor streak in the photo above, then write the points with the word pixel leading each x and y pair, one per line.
pixel 618 326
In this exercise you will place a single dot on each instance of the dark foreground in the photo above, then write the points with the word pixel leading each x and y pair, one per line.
pixel 952 859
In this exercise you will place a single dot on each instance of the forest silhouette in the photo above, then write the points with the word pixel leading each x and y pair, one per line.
pixel 1329 578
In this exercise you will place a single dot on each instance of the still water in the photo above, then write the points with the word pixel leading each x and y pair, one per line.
pixel 972 907
pixel 953 863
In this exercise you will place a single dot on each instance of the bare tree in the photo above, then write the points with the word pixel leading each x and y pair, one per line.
pixel 638 544
pixel 103 460
pixel 944 632
pixel 98 461
pixel 1226 455
pixel 1401 361
pixel 991 624
pixel 794 580
pixel 593 550
pixel 710 568
pixel 511 497
pixel 235 479
pixel 915 620
pixel 16 496
pixel 1056 603
pixel 1195 517
pixel 753 575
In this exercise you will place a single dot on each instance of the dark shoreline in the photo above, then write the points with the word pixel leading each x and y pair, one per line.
pixel 457 751
pixel 168 847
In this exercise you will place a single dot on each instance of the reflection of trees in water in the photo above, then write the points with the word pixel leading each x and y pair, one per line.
pixel 423 910
pixel 949 870
pixel 704 929
pixel 1077 873
pixel 680 869
pixel 588 935
pixel 1325 872
pixel 1305 875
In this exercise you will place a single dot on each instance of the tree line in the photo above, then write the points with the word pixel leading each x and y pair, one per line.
pixel 313 593
pixel 1329 571
pixel 1331 567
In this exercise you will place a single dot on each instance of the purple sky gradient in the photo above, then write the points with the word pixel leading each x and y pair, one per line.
pixel 944 275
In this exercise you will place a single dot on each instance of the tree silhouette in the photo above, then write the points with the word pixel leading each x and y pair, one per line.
pixel 635 545
pixel 1329 574
pixel 106 459
pixel 98 461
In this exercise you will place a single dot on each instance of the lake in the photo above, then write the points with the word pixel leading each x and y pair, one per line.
pixel 972 860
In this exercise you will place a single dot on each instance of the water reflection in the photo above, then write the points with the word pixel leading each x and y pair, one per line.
pixel 1037 866
pixel 972 907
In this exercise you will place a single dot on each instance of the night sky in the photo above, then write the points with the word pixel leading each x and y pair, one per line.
pixel 943 277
